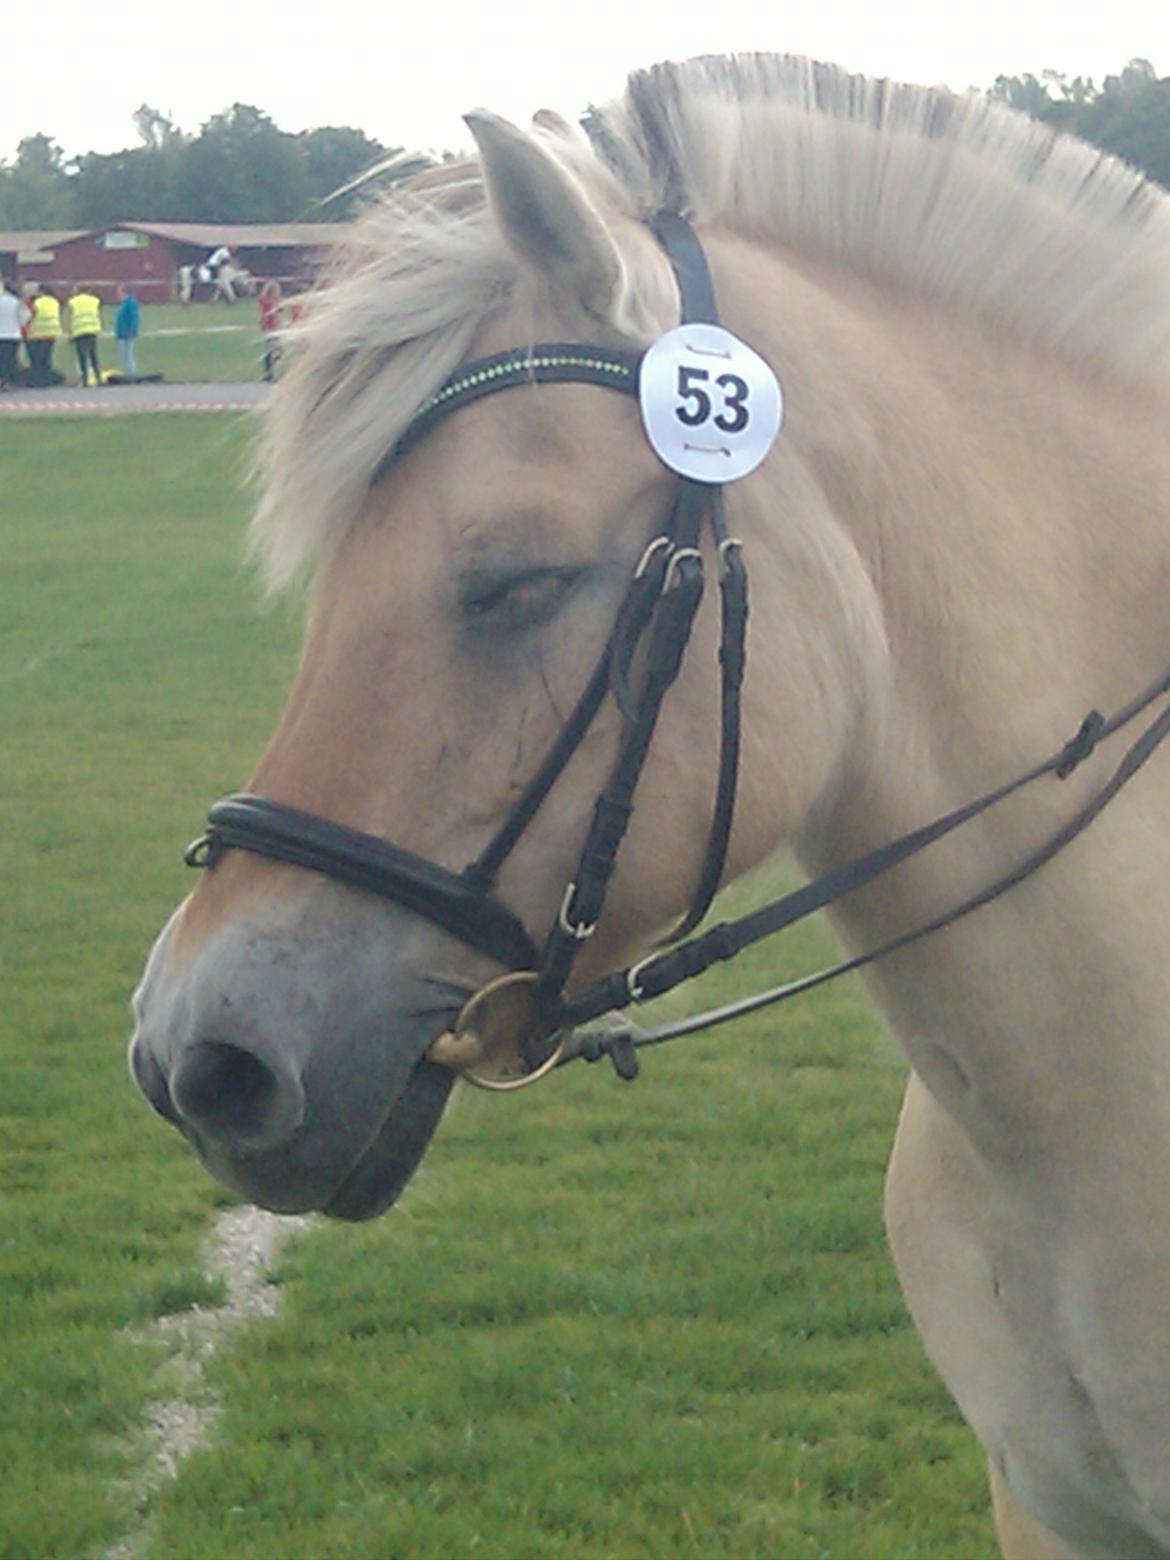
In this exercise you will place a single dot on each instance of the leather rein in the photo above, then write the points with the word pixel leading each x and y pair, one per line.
pixel 520 1026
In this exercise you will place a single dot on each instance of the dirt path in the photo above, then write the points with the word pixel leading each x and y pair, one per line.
pixel 118 400
pixel 239 1252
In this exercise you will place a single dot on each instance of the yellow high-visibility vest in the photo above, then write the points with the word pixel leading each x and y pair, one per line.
pixel 85 315
pixel 45 324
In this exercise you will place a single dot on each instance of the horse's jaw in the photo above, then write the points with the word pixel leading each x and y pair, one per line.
pixel 293 1059
pixel 390 1160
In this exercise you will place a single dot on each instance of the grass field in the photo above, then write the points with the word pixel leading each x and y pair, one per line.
pixel 606 1321
pixel 212 343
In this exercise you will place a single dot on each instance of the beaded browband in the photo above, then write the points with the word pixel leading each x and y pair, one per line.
pixel 544 363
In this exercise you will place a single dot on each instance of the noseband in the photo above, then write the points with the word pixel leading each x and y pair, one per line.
pixel 519 1026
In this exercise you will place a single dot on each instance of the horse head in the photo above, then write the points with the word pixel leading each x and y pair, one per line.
pixel 456 614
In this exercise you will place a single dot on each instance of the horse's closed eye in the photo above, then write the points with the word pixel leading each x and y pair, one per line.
pixel 521 601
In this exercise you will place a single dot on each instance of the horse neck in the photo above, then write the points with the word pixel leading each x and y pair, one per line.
pixel 1008 510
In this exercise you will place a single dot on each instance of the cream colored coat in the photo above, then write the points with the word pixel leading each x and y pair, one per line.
pixel 961 542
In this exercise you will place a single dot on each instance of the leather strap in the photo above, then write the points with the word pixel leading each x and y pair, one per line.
pixel 663 972
pixel 696 289
pixel 364 861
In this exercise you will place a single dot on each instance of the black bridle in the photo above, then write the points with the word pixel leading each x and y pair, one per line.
pixel 654 622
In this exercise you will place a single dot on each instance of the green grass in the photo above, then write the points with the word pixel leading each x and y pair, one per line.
pixel 133 670
pixel 209 343
pixel 618 1321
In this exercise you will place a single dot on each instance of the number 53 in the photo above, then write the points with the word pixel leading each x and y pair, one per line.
pixel 732 393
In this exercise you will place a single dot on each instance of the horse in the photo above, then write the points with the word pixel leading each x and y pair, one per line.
pixel 959 540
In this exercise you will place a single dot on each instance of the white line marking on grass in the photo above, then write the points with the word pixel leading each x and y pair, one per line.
pixel 197 330
pixel 239 1252
pixel 123 407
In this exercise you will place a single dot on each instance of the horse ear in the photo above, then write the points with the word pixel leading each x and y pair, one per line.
pixel 555 124
pixel 546 217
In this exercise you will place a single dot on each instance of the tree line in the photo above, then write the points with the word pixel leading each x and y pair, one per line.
pixel 1128 115
pixel 241 167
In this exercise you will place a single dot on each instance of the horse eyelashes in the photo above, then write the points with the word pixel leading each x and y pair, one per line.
pixel 522 601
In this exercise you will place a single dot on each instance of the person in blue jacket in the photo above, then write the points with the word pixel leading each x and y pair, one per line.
pixel 126 325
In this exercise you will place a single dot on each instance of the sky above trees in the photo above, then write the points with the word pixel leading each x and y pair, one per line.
pixel 406 75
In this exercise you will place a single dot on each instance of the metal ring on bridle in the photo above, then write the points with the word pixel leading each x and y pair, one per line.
pixel 498 1041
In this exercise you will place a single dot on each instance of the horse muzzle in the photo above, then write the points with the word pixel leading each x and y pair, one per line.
pixel 291 1053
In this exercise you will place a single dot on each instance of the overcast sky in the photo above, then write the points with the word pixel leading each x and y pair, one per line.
pixel 405 72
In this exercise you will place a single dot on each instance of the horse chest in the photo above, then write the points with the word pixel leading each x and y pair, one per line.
pixel 1033 1340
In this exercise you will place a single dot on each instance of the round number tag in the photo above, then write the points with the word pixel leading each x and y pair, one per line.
pixel 710 405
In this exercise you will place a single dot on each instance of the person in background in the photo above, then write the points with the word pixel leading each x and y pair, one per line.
pixel 126 326
pixel 14 316
pixel 186 284
pixel 44 331
pixel 222 272
pixel 270 302
pixel 85 326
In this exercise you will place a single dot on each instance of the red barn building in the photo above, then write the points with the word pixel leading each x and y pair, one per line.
pixel 147 255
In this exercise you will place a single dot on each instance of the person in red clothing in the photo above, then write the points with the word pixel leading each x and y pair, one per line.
pixel 271 304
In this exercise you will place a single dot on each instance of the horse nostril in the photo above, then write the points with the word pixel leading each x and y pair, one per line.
pixel 231 1095
pixel 148 1075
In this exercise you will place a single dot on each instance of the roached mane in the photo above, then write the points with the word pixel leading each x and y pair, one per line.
pixel 958 196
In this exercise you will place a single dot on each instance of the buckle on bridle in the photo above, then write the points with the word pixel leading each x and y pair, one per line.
pixel 728 546
pixel 653 548
pixel 633 987
pixel 672 568
pixel 579 931
pixel 498 1041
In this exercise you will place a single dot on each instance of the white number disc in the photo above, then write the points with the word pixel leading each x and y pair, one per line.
pixel 711 406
